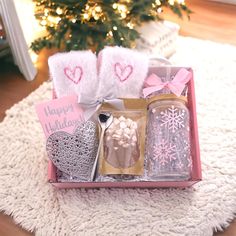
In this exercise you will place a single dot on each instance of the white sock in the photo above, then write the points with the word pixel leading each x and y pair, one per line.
pixel 74 72
pixel 121 72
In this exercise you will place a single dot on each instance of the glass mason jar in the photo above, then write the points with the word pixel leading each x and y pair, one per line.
pixel 168 155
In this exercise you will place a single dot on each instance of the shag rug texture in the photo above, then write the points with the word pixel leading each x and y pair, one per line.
pixel 197 211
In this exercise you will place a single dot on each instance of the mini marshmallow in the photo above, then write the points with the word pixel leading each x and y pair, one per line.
pixel 120 142
pixel 120 132
pixel 122 72
pixel 116 121
pixel 127 130
pixel 132 131
pixel 121 118
pixel 123 125
pixel 134 125
pixel 129 122
pixel 73 73
pixel 116 136
pixel 109 131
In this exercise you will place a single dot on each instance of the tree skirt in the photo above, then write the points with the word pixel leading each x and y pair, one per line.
pixel 208 205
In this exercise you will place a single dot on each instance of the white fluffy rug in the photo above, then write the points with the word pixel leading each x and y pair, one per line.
pixel 211 204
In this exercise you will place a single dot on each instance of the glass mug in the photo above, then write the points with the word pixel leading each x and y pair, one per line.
pixel 168 155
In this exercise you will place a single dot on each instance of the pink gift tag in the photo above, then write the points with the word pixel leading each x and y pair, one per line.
pixel 63 114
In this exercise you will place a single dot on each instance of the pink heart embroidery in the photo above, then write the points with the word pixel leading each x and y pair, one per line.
pixel 123 72
pixel 74 74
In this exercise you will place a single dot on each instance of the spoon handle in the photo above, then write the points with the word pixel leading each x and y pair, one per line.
pixel 93 173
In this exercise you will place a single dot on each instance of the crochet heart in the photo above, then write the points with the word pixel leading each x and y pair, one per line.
pixel 74 154
pixel 74 74
pixel 123 72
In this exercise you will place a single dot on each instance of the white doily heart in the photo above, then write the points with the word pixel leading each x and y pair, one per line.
pixel 74 154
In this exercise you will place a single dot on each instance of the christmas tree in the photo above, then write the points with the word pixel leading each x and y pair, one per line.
pixel 76 25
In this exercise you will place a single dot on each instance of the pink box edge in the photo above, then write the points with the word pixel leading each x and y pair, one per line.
pixel 196 173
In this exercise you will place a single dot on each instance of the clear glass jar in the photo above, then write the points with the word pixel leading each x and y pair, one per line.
pixel 168 156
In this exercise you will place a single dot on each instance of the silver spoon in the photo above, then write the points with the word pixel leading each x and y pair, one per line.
pixel 105 120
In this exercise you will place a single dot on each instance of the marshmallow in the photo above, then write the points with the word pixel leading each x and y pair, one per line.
pixel 119 131
pixel 122 125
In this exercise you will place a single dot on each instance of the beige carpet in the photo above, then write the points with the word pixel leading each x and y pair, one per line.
pixel 37 206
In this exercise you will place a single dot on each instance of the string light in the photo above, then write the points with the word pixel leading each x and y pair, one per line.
pixel 46 11
pixel 59 11
pixel 53 20
pixel 85 16
pixel 92 11
pixel 95 11
pixel 159 10
pixel 123 15
pixel 122 9
pixel 43 22
pixel 130 25
pixel 95 14
pixel 110 34
pixel 115 5
pixel 98 9
pixel 96 17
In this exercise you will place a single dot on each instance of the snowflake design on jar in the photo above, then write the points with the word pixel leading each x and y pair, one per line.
pixel 173 118
pixel 190 162
pixel 164 152
pixel 180 165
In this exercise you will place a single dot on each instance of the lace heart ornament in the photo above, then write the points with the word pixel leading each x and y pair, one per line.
pixel 74 154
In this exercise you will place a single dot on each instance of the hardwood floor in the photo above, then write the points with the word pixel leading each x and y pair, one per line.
pixel 211 20
pixel 13 86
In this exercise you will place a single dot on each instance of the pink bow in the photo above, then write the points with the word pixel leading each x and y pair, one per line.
pixel 154 83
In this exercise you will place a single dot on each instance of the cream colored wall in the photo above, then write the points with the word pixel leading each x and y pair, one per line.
pixel 30 26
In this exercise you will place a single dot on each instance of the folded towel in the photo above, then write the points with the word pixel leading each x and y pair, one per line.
pixel 74 72
pixel 122 72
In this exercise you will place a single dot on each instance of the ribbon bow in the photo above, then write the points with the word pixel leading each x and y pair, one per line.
pixel 154 83
pixel 90 104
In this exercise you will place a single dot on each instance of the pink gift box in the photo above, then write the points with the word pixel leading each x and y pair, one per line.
pixel 196 174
